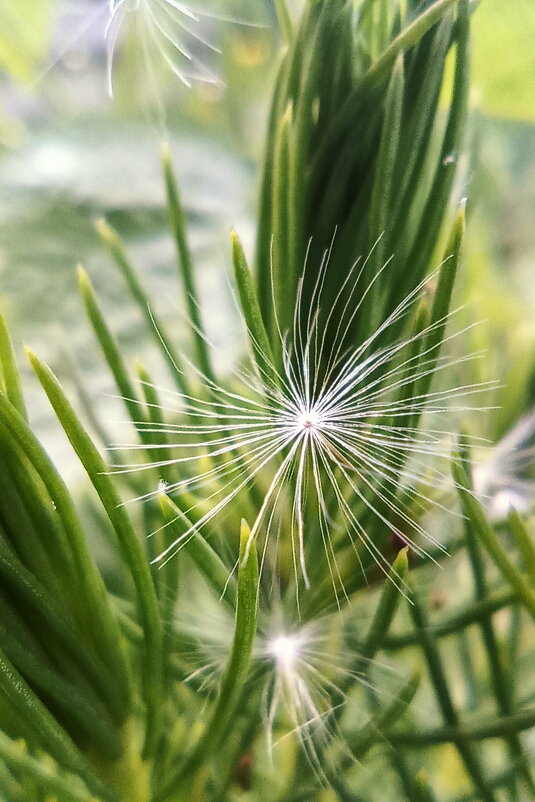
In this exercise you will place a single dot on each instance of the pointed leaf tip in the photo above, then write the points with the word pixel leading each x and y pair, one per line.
pixel 165 154
pixel 401 564
pixel 82 276
pixel 32 356
pixel 107 234
pixel 245 533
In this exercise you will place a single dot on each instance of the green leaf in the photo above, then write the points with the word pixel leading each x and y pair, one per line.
pixel 284 274
pixel 178 226
pixel 491 543
pixel 36 722
pixel 362 741
pixel 9 370
pixel 83 711
pixel 455 620
pixel 49 617
pixel 130 546
pixel 260 342
pixel 244 634
pixel 525 543
pixel 114 245
pixel 68 788
pixel 99 618
pixel 408 37
pixel 237 670
pixel 387 607
pixel 285 22
pixel 383 188
pixel 110 349
pixel 438 677
pixel 209 563
pixel 441 303
pixel 240 657
pixel 496 728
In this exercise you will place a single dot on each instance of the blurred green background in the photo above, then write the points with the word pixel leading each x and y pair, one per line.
pixel 69 154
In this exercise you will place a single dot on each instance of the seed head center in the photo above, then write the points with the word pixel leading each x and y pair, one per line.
pixel 285 650
pixel 308 419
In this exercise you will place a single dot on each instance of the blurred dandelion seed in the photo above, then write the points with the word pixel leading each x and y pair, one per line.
pixel 303 676
pixel 504 477
pixel 169 34
pixel 334 428
pixel 308 678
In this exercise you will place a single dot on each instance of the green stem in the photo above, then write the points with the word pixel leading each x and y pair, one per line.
pixel 503 727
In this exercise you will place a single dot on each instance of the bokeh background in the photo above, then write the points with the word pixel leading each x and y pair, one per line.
pixel 70 154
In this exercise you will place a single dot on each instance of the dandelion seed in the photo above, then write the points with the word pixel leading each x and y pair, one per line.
pixel 307 684
pixel 504 475
pixel 302 678
pixel 167 33
pixel 330 438
pixel 300 689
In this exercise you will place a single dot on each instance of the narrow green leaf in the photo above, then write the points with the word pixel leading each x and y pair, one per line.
pixel 82 707
pixel 88 718
pixel 499 675
pixel 525 543
pixel 414 146
pixel 177 220
pixel 412 355
pixel 37 723
pixel 9 370
pixel 260 343
pixel 387 607
pixel 497 728
pixel 433 214
pixel 263 254
pixel 237 670
pixel 437 674
pixel 385 717
pixel 352 106
pixel 302 118
pixel 283 17
pixel 491 543
pixel 209 563
pixel 155 416
pixel 99 619
pixel 448 273
pixel 460 618
pixel 130 546
pixel 48 615
pixel 114 245
pixel 283 276
pixel 383 189
pixel 68 788
pixel 110 348
pixel 442 300
pixel 39 548
pixel 240 657
pixel 408 38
